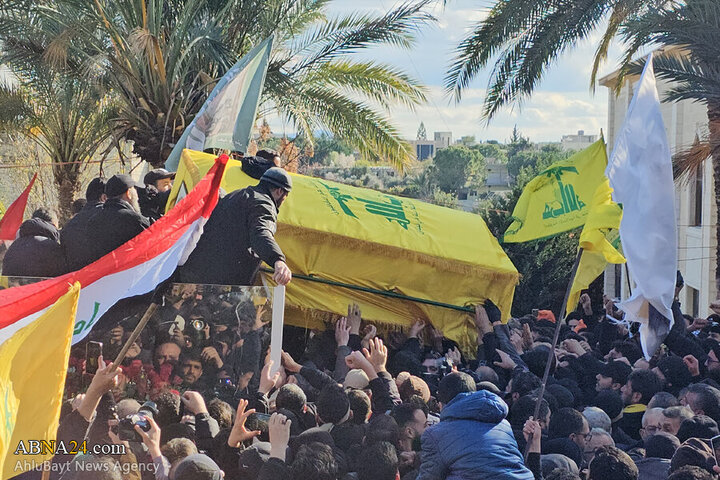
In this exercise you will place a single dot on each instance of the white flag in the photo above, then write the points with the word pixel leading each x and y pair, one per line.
pixel 640 172
pixel 226 119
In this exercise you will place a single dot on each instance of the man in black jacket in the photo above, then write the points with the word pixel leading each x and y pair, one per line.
pixel 36 252
pixel 240 235
pixel 154 196
pixel 73 236
pixel 119 219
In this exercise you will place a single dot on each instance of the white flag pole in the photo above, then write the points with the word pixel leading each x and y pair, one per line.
pixel 276 334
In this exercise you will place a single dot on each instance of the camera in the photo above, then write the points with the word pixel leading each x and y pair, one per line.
pixel 225 390
pixel 198 324
pixel 126 426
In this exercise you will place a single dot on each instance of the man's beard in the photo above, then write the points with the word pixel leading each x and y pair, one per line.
pixel 135 204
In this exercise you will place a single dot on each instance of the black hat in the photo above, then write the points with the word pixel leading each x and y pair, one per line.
pixel 618 371
pixel 157 174
pixel 277 177
pixel 95 188
pixel 119 184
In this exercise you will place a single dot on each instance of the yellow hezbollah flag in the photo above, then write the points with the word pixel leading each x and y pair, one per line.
pixel 599 240
pixel 557 200
pixel 33 362
pixel 366 238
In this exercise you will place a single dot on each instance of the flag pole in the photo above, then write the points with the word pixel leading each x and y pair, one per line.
pixel 133 336
pixel 558 324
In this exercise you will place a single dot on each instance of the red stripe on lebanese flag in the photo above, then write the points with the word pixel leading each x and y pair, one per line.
pixel 134 268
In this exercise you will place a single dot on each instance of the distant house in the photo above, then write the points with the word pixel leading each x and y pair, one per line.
pixel 577 142
pixel 497 181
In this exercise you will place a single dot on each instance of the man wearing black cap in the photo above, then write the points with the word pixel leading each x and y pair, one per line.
pixel 73 237
pixel 240 235
pixel 154 196
pixel 119 219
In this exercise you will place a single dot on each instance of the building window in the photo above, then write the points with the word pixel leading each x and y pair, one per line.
pixel 697 201
pixel 695 300
pixel 618 281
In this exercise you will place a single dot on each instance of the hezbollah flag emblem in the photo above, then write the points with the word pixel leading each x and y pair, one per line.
pixel 558 199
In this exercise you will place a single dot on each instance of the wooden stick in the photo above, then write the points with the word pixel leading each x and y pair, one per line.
pixel 558 324
pixel 627 277
pixel 133 336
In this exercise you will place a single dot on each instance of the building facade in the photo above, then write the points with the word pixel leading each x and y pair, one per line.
pixel 694 198
pixel 577 142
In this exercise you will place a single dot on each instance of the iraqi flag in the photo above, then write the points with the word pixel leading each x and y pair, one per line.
pixel 135 268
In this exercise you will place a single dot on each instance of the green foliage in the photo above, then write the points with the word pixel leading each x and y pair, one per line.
pixel 160 59
pixel 492 150
pixel 325 145
pixel 457 166
pixel 443 199
pixel 544 265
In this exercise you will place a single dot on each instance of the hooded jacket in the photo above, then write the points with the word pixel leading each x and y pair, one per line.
pixel 472 441
pixel 36 252
pixel 238 236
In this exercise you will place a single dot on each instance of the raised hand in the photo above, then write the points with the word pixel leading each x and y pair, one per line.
pixel 289 363
pixel 342 332
pixel 354 319
pixel 239 433
pixel 267 381
pixel 377 355
pixel 194 402
pixel 279 431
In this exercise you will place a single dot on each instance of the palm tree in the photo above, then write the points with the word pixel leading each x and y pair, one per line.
pixel 68 119
pixel 162 57
pixel 690 34
pixel 524 37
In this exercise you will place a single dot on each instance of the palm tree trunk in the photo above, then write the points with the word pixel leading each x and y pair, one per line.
pixel 67 188
pixel 714 139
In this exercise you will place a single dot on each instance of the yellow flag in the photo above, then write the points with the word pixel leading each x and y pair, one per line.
pixel 558 199
pixel 599 240
pixel 370 239
pixel 33 364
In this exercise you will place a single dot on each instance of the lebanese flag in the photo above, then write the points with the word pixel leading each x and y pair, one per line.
pixel 11 221
pixel 135 268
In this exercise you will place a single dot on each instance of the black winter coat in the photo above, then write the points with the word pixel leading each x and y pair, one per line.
pixel 152 203
pixel 114 224
pixel 36 252
pixel 74 237
pixel 238 236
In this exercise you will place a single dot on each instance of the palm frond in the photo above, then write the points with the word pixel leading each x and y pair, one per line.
pixel 523 63
pixel 505 21
pixel 349 34
pixel 381 83
pixel 690 159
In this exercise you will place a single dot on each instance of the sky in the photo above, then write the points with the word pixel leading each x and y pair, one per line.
pixel 563 104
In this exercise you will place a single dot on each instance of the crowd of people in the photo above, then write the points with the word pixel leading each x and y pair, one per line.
pixel 352 402
pixel 197 396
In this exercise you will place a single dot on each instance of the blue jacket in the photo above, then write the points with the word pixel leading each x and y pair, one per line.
pixel 473 441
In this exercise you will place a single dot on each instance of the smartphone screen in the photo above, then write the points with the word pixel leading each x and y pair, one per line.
pixel 92 351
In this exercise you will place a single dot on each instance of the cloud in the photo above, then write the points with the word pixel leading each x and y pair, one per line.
pixel 561 104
